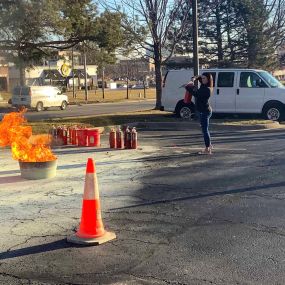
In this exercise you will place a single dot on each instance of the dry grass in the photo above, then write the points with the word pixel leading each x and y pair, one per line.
pixel 111 95
pixel 107 120
pixel 140 116
pixel 44 127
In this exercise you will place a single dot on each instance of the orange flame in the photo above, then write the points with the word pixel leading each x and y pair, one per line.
pixel 24 146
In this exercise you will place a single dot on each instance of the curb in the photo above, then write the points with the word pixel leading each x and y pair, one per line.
pixel 194 125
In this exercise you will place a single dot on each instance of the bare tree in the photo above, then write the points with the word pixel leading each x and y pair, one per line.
pixel 149 24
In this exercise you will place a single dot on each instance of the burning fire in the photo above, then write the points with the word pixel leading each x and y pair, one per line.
pixel 25 147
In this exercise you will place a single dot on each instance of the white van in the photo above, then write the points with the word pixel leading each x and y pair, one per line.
pixel 235 91
pixel 39 97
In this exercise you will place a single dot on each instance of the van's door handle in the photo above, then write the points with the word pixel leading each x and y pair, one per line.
pixel 238 91
pixel 218 91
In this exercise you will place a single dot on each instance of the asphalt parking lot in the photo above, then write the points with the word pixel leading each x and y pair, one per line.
pixel 180 218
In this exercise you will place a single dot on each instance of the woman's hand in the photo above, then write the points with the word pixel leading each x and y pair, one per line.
pixel 190 83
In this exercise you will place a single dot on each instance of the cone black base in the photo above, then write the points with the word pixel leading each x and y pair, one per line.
pixel 92 241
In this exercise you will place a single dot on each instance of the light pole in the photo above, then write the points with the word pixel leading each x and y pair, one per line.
pixel 50 80
pixel 127 80
pixel 73 87
pixel 103 82
pixel 195 37
pixel 85 74
pixel 195 46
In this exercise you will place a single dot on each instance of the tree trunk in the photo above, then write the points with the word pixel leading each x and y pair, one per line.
pixel 158 79
pixel 252 49
pixel 230 44
pixel 219 36
pixel 22 70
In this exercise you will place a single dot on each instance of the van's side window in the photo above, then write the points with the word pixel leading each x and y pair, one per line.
pixel 226 79
pixel 251 80
pixel 213 75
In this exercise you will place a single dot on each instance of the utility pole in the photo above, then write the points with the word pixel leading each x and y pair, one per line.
pixel 73 87
pixel 127 80
pixel 195 37
pixel 144 93
pixel 103 82
pixel 85 74
pixel 50 80
pixel 195 47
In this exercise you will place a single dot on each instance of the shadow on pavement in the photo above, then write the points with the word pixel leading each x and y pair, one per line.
pixel 9 172
pixel 199 196
pixel 11 179
pixel 55 245
pixel 81 165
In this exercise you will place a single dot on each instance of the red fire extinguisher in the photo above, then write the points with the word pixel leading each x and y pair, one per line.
pixel 134 139
pixel 128 138
pixel 112 139
pixel 59 132
pixel 119 138
pixel 64 135
pixel 125 135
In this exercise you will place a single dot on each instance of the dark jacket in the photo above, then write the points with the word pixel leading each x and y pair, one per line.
pixel 202 95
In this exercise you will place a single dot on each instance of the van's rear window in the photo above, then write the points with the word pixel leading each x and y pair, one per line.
pixel 17 90
pixel 25 91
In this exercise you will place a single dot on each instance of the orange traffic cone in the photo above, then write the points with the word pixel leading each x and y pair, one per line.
pixel 91 230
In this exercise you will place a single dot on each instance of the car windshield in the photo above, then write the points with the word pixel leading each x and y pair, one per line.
pixel 271 80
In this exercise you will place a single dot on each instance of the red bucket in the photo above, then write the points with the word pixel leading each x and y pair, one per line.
pixel 93 137
pixel 82 137
pixel 69 132
pixel 73 136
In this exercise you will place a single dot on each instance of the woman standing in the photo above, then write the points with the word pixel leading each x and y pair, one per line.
pixel 203 95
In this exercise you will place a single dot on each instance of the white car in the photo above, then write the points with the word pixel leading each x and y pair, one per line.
pixel 139 86
pixel 248 91
pixel 39 97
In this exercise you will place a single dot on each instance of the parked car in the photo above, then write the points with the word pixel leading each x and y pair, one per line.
pixel 38 97
pixel 248 91
pixel 121 86
pixel 99 84
pixel 140 86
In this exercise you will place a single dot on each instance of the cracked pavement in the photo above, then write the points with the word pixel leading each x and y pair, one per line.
pixel 180 218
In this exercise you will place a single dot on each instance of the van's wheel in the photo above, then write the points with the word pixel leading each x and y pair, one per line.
pixel 185 111
pixel 39 106
pixel 274 112
pixel 63 105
